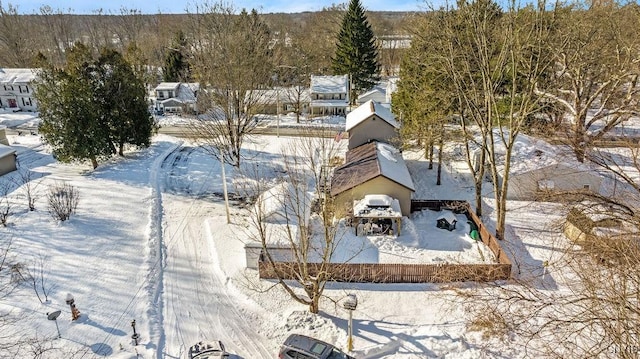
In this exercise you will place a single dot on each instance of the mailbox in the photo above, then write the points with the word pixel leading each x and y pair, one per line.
pixel 351 302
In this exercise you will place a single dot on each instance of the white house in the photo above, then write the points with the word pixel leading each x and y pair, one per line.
pixel 329 95
pixel 176 97
pixel 16 89
pixel 371 122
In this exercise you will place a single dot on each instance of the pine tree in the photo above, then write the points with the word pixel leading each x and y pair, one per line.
pixel 91 108
pixel 124 106
pixel 176 67
pixel 356 52
pixel 69 110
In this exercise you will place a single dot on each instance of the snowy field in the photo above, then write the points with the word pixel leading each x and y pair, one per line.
pixel 150 242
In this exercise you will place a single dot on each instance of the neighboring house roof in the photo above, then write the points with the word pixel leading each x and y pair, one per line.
pixel 11 76
pixel 284 94
pixel 165 86
pixel 281 208
pixel 329 84
pixel 366 111
pixel 531 154
pixel 185 92
pixel 367 162
pixel 373 91
pixel 284 202
pixel 6 151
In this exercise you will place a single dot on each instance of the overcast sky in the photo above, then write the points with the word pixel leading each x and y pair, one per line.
pixel 173 6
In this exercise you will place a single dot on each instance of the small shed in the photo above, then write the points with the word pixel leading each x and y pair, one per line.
pixel 377 214
pixel 371 122
pixel 8 161
pixel 373 168
pixel 447 221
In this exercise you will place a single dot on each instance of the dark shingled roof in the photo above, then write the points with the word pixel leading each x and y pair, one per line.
pixel 362 164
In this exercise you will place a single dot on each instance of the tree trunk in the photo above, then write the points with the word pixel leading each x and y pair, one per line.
pixel 430 154
pixel 94 162
pixel 440 146
pixel 314 306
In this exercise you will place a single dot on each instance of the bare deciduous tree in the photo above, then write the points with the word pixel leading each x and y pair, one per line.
pixel 595 77
pixel 298 214
pixel 231 61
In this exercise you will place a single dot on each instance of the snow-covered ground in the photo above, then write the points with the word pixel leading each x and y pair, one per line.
pixel 150 242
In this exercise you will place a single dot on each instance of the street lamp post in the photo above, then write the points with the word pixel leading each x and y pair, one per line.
pixel 75 313
pixel 350 304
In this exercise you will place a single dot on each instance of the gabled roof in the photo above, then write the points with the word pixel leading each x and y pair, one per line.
pixel 17 76
pixel 368 110
pixel 284 94
pixel 164 86
pixel 329 84
pixel 367 162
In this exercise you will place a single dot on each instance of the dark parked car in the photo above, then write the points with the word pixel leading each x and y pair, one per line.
pixel 208 350
pixel 303 347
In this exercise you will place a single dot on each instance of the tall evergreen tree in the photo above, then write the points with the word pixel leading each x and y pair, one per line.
pixel 356 51
pixel 176 67
pixel 123 102
pixel 69 110
pixel 91 108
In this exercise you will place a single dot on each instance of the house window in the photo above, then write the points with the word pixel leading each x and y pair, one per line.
pixel 20 88
pixel 586 187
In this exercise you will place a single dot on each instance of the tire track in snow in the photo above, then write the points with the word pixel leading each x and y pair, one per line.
pixel 157 253
pixel 198 305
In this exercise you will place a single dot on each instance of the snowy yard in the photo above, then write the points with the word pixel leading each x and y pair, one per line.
pixel 150 242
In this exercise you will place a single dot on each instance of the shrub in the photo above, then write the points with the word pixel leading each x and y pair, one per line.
pixel 63 200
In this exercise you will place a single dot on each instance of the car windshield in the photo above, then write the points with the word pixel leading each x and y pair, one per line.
pixel 337 354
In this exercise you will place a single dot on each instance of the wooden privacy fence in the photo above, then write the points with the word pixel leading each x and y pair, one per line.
pixel 405 273
pixel 389 272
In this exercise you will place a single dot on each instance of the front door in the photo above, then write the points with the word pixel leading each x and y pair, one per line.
pixel 13 103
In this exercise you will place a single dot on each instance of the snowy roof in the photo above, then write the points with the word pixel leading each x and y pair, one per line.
pixel 367 162
pixel 376 89
pixel 530 154
pixel 329 84
pixel 368 110
pixel 376 206
pixel 284 202
pixel 11 76
pixel 6 150
pixel 449 216
pixel 164 86
pixel 284 94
